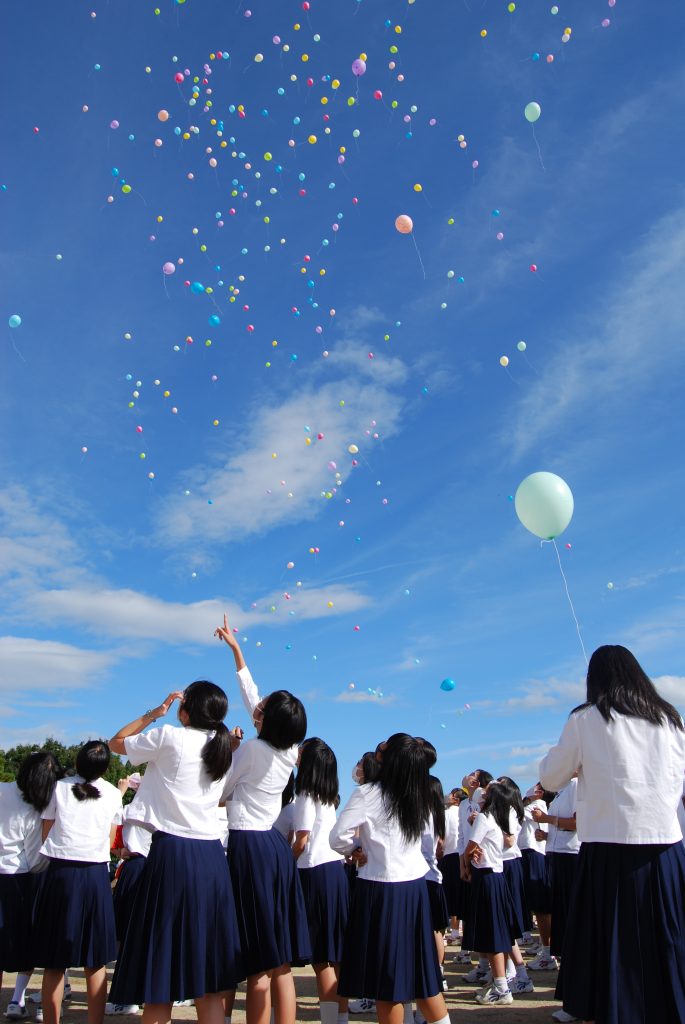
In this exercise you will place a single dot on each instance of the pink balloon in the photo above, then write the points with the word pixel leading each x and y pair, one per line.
pixel 169 269
pixel 605 23
pixel 474 164
pixel 404 224
pixel 114 124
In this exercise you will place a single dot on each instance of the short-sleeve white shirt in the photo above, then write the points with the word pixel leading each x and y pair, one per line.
pixel 451 830
pixel 563 806
pixel 82 827
pixel 20 832
pixel 513 852
pixel 488 835
pixel 318 819
pixel 527 840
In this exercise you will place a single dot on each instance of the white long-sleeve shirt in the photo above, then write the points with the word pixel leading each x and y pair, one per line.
pixel 630 777
pixel 428 848
pixel 390 857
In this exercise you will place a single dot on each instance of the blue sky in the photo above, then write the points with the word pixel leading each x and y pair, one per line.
pixel 112 581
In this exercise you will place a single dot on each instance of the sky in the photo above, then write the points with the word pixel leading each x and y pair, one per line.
pixel 306 423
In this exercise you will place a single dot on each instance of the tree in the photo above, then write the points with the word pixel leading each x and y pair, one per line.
pixel 11 759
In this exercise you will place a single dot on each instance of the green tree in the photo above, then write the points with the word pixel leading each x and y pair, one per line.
pixel 11 759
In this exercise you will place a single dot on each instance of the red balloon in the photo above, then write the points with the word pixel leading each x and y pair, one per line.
pixel 378 95
pixel 533 268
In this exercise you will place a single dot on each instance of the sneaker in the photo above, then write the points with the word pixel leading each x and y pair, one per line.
pixel 361 1005
pixel 490 996
pixel 527 940
pixel 518 985
pixel 67 993
pixel 563 1017
pixel 463 957
pixel 184 1002
pixel 543 963
pixel 534 948
pixel 35 997
pixel 119 1009
pixel 39 1015
pixel 452 937
pixel 478 976
pixel 16 1012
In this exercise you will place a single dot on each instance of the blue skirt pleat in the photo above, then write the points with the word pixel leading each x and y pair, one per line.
pixel 181 941
pixel 125 892
pixel 624 951
pixel 327 898
pixel 74 916
pixel 389 951
pixel 563 868
pixel 451 880
pixel 513 876
pixel 16 910
pixel 270 909
pixel 490 926
pixel 440 915
pixel 536 882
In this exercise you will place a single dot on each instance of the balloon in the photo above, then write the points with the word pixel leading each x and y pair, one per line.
pixel 532 112
pixel 448 685
pixel 14 320
pixel 404 224
pixel 504 361
pixel 169 269
pixel 544 504
pixel 521 346
pixel 163 115
pixel 358 67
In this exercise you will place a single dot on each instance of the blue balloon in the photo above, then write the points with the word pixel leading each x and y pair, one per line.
pixel 448 685
pixel 197 288
pixel 14 320
pixel 214 320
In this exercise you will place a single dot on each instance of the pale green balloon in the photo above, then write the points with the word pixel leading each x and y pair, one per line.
pixel 521 346
pixel 532 112
pixel 544 504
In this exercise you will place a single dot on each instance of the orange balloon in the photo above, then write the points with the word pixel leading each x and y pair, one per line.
pixel 163 115
pixel 404 224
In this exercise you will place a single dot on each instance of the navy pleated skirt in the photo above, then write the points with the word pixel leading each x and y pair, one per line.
pixel 490 926
pixel 74 916
pixel 563 868
pixel 327 898
pixel 440 915
pixel 536 882
pixel 513 876
pixel 624 951
pixel 181 940
pixel 125 892
pixel 270 909
pixel 16 912
pixel 451 880
pixel 389 951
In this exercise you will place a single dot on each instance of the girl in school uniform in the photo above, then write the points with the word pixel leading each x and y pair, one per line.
pixel 624 950
pixel 136 839
pixel 536 880
pixel 181 941
pixel 21 805
pixel 512 857
pixel 389 953
pixel 321 871
pixel 284 821
pixel 272 917
pixel 434 834
pixel 449 862
pixel 74 916
pixel 474 783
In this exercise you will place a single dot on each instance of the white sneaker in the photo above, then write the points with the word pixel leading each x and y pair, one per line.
pixel 478 976
pixel 492 996
pixel 563 1017
pixel 517 985
pixel 463 957
pixel 534 948
pixel 16 1012
pixel 543 963
pixel 184 1002
pixel 121 1009
pixel 361 1005
pixel 39 1014
pixel 452 937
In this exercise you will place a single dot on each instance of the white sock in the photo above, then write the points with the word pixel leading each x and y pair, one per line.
pixel 443 1020
pixel 544 950
pixel 343 1017
pixel 501 984
pixel 510 969
pixel 271 1018
pixel 408 1013
pixel 483 963
pixel 20 987
pixel 329 1011
pixel 522 971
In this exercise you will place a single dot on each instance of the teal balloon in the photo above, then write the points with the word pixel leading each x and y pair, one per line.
pixel 197 287
pixel 14 320
pixel 532 112
pixel 214 320
pixel 544 504
pixel 448 685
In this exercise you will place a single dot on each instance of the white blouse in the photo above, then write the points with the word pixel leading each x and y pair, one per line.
pixel 513 852
pixel 466 809
pixel 391 858
pixel 428 847
pixel 81 829
pixel 527 840
pixel 563 806
pixel 20 832
pixel 630 776
pixel 451 830
pixel 488 835
pixel 318 819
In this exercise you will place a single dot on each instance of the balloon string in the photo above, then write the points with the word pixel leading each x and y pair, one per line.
pixel 423 269
pixel 573 611
pixel 539 151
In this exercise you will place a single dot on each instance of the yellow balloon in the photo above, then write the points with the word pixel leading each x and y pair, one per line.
pixel 504 361
pixel 418 188
pixel 311 140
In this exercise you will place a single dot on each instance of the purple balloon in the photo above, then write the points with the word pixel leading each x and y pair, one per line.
pixel 168 269
pixel 358 67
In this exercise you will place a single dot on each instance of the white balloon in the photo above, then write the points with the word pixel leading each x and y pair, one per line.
pixel 544 504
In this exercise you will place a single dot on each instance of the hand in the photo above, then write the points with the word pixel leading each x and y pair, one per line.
pixel 163 708
pixel 236 735
pixel 225 633
pixel 477 856
pixel 472 817
pixel 123 785
pixel 540 835
pixel 358 857
pixel 536 814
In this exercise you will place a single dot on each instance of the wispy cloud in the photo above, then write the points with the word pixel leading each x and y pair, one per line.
pixel 27 664
pixel 363 697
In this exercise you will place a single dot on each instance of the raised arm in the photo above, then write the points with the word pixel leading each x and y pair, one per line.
pixel 116 744
pixel 248 687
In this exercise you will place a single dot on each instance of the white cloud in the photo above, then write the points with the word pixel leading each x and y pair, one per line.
pixel 363 697
pixel 28 664
pixel 672 689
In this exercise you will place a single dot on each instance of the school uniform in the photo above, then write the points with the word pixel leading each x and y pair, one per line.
pixel 536 880
pixel 624 950
pixel 137 839
pixel 20 859
pixel 562 863
pixel 270 909
pixel 284 821
pixel 513 876
pixel 73 914
pixel 323 879
pixel 440 916
pixel 490 926
pixel 466 808
pixel 181 941
pixel 449 864
pixel 389 950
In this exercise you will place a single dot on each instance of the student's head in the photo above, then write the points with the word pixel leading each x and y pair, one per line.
pixel 92 761
pixel 617 682
pixel 404 782
pixel 540 793
pixel 437 798
pixel 36 778
pixel 477 779
pixel 498 804
pixel 513 794
pixel 431 752
pixel 367 768
pixel 280 720
pixel 204 707
pixel 317 774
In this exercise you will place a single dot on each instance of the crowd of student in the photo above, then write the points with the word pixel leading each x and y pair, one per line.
pixel 235 867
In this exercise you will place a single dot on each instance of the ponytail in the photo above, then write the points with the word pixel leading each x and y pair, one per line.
pixel 206 705
pixel 92 761
pixel 216 753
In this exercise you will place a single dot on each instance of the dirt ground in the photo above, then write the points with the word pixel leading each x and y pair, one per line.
pixel 532 1008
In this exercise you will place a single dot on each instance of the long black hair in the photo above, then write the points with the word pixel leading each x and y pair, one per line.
pixel 288 794
pixel 317 773
pixel 497 804
pixel 437 806
pixel 370 766
pixel 484 778
pixel 514 794
pixel 404 784
pixel 92 761
pixel 617 682
pixel 206 705
pixel 431 752
pixel 36 778
pixel 284 723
